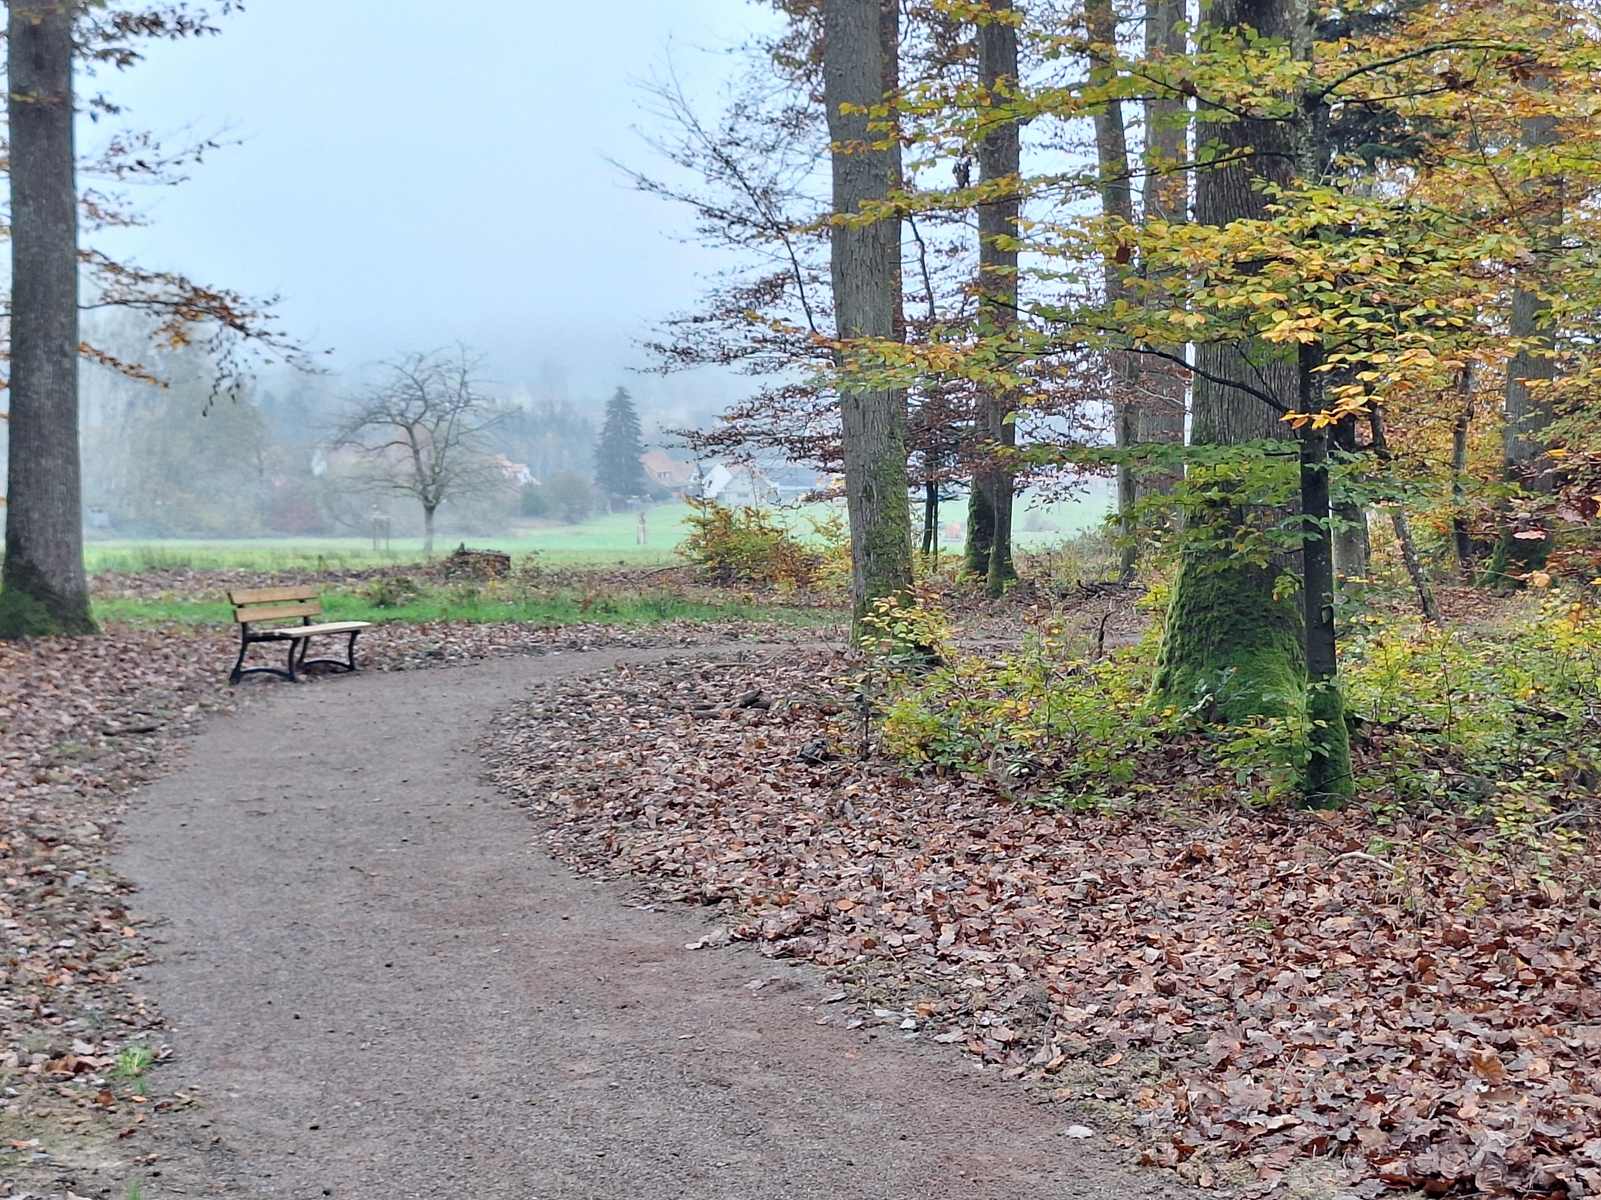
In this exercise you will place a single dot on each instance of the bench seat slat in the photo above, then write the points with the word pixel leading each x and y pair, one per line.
pixel 294 632
pixel 276 612
pixel 271 595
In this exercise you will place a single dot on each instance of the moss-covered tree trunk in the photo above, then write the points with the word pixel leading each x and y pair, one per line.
pixel 44 589
pixel 859 49
pixel 980 528
pixel 1234 633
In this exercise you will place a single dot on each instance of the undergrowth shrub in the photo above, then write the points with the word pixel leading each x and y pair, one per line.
pixel 391 591
pixel 747 545
pixel 1501 724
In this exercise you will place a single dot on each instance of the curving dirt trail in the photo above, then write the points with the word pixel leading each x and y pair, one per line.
pixel 383 989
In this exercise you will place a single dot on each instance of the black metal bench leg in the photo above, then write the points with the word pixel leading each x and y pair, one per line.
pixel 238 667
pixel 294 646
pixel 350 651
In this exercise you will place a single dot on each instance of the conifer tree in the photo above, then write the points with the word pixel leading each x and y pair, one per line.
pixel 618 471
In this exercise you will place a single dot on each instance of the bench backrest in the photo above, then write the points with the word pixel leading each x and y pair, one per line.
pixel 251 605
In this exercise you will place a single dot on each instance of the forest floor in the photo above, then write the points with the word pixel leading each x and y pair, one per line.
pixel 1326 1004
pixel 328 960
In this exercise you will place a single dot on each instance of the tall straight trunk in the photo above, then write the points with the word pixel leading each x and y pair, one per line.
pixel 1328 773
pixel 1461 535
pixel 999 159
pixel 859 42
pixel 1352 546
pixel 1117 206
pixel 1229 633
pixel 44 586
pixel 1528 410
pixel 1159 415
pixel 931 512
pixel 428 531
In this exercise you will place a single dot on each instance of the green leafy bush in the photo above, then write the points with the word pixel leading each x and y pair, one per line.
pixel 1498 723
pixel 746 545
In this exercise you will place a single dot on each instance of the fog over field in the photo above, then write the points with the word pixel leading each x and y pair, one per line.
pixel 402 182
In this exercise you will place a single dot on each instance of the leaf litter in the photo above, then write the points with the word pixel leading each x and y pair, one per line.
pixel 1261 991
pixel 83 723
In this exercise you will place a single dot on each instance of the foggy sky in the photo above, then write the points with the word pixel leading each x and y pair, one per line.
pixel 413 174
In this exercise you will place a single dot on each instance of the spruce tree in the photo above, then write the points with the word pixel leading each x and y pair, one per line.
pixel 618 472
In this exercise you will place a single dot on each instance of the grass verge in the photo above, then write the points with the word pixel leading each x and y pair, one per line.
pixel 556 608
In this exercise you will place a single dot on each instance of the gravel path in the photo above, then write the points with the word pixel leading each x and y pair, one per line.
pixel 383 989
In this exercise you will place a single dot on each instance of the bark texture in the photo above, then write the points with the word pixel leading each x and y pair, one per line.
pixel 1228 634
pixel 44 586
pixel 1117 206
pixel 1352 545
pixel 1528 408
pixel 1159 414
pixel 859 49
pixel 999 159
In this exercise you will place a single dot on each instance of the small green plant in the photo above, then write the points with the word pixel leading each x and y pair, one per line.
pixel 391 591
pixel 133 1061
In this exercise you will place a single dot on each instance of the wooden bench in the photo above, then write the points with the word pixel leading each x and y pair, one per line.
pixel 252 606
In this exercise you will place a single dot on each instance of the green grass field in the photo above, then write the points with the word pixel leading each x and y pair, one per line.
pixel 565 607
pixel 604 541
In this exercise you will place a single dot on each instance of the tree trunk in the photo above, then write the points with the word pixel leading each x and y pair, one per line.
pixel 859 45
pixel 1528 411
pixel 1461 535
pixel 1352 546
pixel 931 514
pixel 1117 205
pixel 1328 775
pixel 44 586
pixel 1229 634
pixel 980 526
pixel 1159 415
pixel 428 511
pixel 999 158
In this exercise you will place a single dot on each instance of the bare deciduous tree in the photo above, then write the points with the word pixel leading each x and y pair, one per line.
pixel 422 431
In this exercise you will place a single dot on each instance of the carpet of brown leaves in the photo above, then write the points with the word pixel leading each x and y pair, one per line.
pixel 83 722
pixel 1398 1002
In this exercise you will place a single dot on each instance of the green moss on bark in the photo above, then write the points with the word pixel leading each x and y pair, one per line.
pixel 980 532
pixel 1229 637
pixel 1000 573
pixel 23 616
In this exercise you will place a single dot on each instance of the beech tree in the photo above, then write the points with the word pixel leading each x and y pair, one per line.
pixel 859 48
pixel 1231 630
pixel 989 538
pixel 44 589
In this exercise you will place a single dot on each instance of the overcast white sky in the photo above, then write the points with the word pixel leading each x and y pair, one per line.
pixel 414 173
